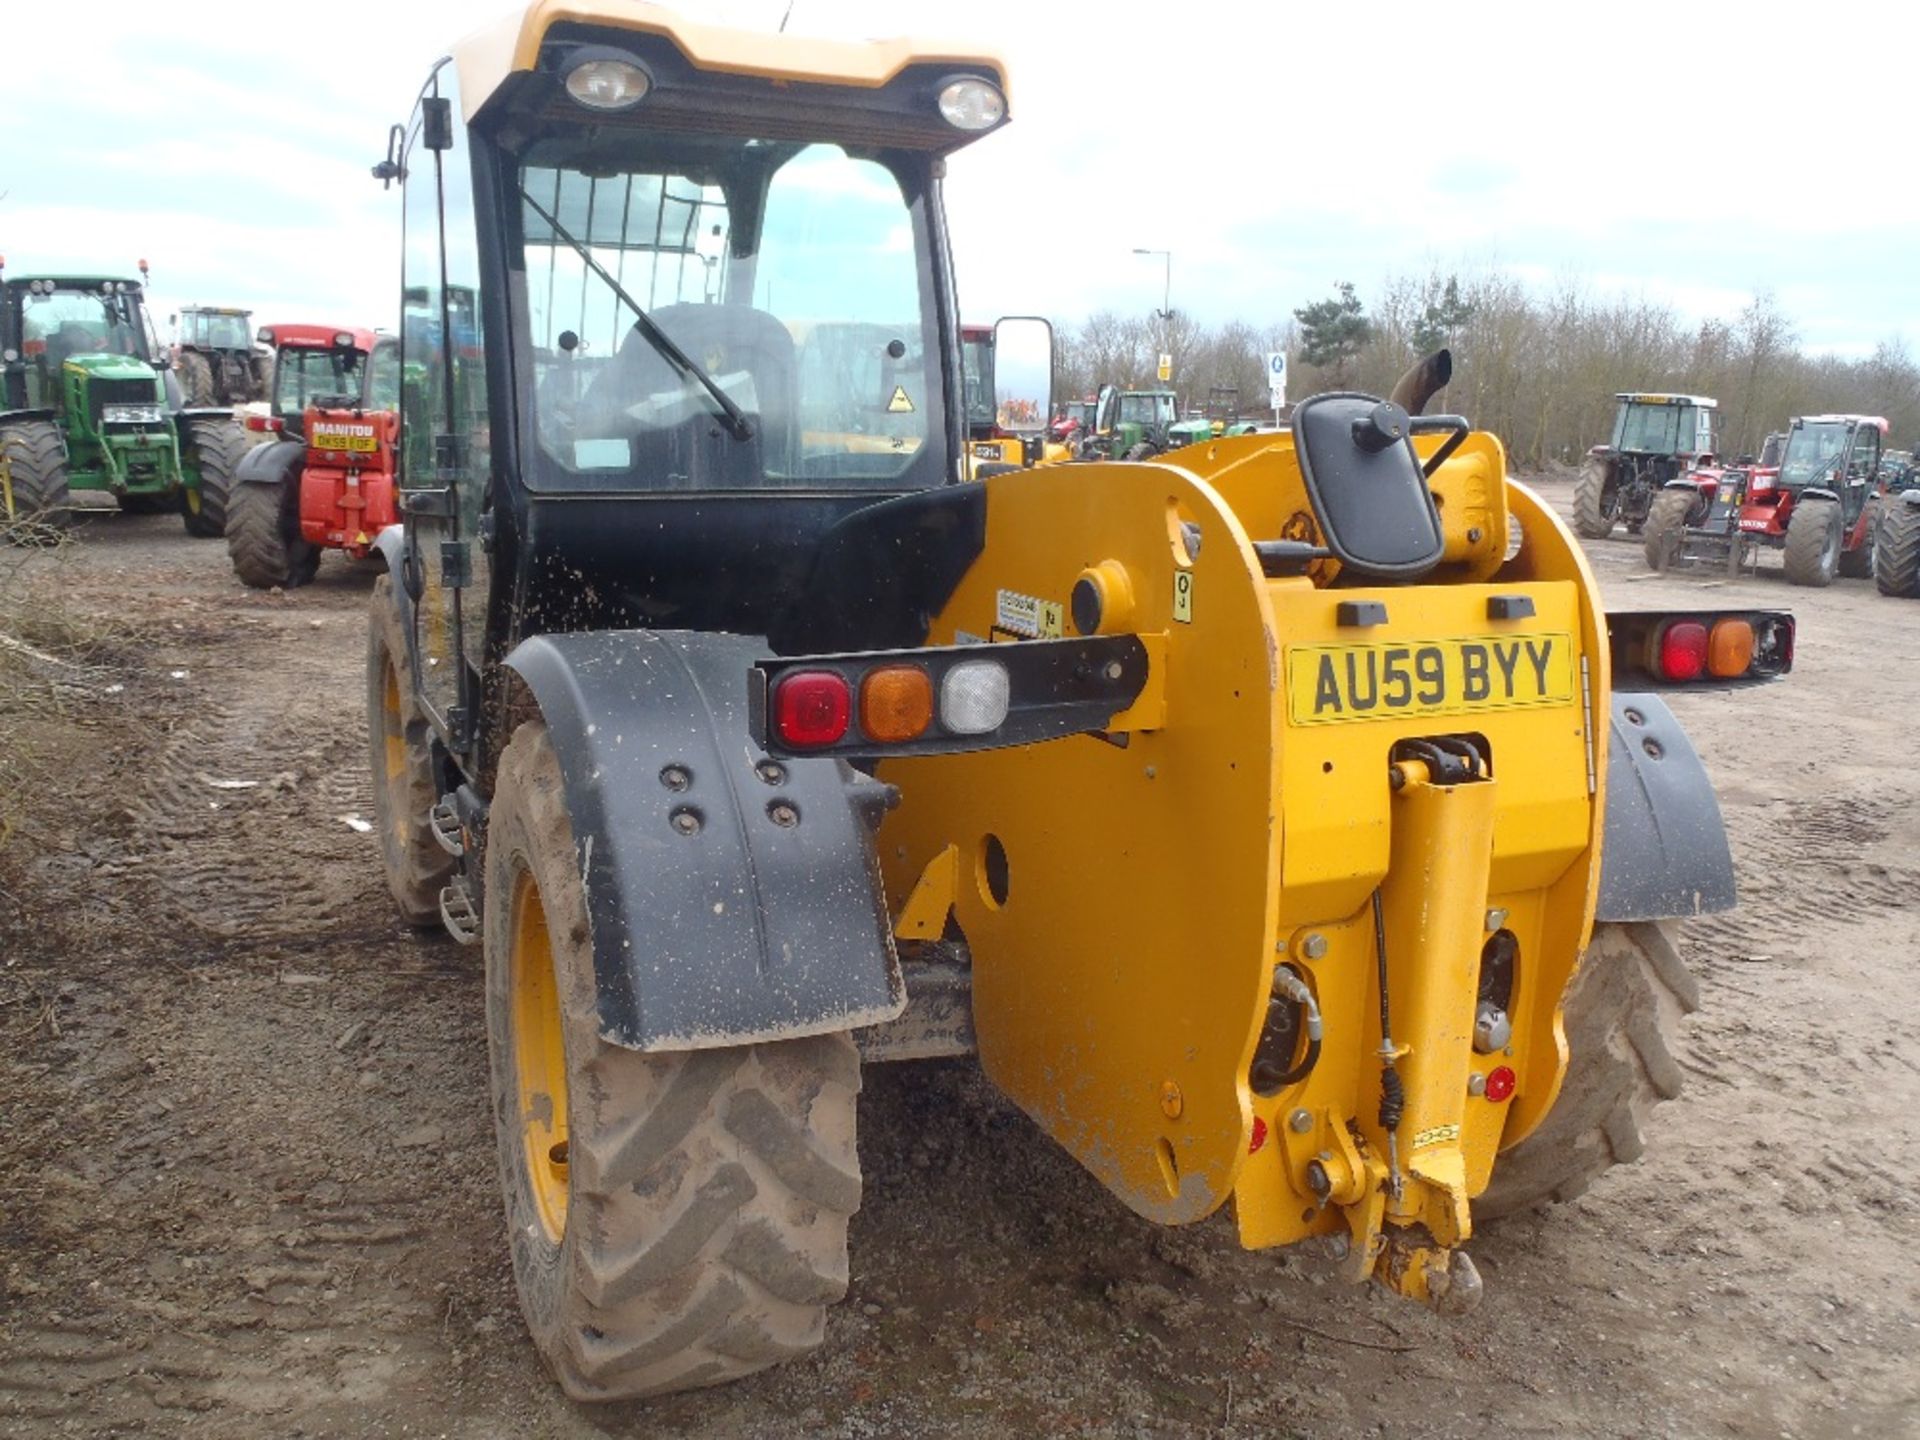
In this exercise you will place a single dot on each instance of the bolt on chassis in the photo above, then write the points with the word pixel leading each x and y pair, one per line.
pixel 1268 822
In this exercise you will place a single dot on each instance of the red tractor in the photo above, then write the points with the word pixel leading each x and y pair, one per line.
pixel 327 482
pixel 1818 502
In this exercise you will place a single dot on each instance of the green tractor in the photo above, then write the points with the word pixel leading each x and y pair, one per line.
pixel 86 404
pixel 1221 417
pixel 1134 424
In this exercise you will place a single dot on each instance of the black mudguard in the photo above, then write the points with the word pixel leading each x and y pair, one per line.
pixel 1665 855
pixel 270 464
pixel 739 928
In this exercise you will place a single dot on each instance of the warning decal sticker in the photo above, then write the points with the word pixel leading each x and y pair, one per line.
pixel 899 404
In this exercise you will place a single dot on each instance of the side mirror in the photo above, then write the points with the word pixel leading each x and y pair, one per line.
pixel 1105 409
pixel 1022 374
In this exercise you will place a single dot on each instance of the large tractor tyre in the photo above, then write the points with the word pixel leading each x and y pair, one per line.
pixel 1623 1015
pixel 677 1219
pixel 1857 564
pixel 215 449
pixel 1896 551
pixel 401 761
pixel 1596 502
pixel 263 521
pixel 196 378
pixel 35 461
pixel 1814 537
pixel 262 367
pixel 1666 528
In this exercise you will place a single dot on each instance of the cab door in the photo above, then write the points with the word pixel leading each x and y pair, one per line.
pixel 1863 471
pixel 445 449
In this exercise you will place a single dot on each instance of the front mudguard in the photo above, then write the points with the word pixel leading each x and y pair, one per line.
pixel 732 898
pixel 1665 855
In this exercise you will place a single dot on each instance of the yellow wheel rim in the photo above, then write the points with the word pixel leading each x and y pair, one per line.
pixel 193 501
pixel 393 731
pixel 539 1057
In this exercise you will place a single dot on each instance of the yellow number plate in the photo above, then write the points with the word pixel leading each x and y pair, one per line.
pixel 1394 679
pixel 366 443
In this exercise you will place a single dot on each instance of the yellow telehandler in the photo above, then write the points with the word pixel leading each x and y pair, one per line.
pixel 1287 828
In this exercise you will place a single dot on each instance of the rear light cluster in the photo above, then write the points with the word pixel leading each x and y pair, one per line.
pixel 269 424
pixel 890 704
pixel 1678 649
pixel 944 698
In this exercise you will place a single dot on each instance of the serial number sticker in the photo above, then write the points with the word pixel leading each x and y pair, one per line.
pixel 1183 596
pixel 1029 615
pixel 986 450
pixel 1436 1135
pixel 1458 676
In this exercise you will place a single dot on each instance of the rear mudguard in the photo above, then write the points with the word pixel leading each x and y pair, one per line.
pixel 731 899
pixel 1665 855
pixel 271 464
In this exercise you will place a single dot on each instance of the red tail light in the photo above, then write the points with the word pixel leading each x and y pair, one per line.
pixel 269 423
pixel 812 708
pixel 1682 650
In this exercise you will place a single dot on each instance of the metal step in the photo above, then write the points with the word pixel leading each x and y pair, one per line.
pixel 457 912
pixel 445 825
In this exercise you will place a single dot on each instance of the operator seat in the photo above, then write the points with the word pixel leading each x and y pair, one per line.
pixel 732 338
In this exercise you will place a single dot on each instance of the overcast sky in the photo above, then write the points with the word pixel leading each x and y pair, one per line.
pixel 1692 154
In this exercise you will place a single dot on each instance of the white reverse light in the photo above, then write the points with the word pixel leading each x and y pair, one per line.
pixel 607 84
pixel 973 104
pixel 974 697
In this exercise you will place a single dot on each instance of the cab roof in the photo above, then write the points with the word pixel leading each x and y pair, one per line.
pixel 292 336
pixel 1878 421
pixel 76 282
pixel 1657 397
pixel 486 58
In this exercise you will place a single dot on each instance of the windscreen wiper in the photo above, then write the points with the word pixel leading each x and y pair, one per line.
pixel 730 414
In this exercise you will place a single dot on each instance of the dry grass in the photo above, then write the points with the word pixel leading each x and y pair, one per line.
pixel 50 652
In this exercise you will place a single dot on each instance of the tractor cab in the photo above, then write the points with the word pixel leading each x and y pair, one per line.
pixel 1664 425
pixel 99 325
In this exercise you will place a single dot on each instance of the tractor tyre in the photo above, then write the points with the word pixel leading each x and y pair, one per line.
pixel 262 367
pixel 1623 1013
pixel 676 1219
pixel 401 761
pixel 263 521
pixel 196 378
pixel 1142 451
pixel 1896 553
pixel 216 447
pixel 1595 509
pixel 1666 528
pixel 35 456
pixel 1858 564
pixel 1814 537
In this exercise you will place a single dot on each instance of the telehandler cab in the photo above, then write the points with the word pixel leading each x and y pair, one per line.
pixel 1250 815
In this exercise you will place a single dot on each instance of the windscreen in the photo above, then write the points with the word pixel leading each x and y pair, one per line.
pixel 1150 409
pixel 790 285
pixel 1655 429
pixel 976 369
pixel 57 324
pixel 306 377
pixel 1813 453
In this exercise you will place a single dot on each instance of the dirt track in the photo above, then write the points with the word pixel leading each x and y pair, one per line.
pixel 247 1181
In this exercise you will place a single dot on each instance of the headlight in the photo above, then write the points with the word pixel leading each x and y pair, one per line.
pixel 131 414
pixel 972 104
pixel 608 82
